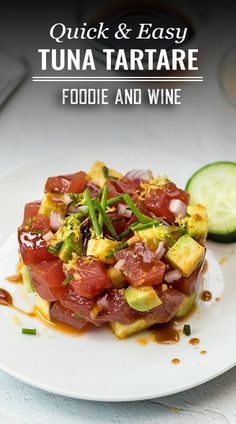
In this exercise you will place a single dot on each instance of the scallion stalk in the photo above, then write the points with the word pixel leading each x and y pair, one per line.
pixel 120 247
pixel 68 280
pixel 114 200
pixel 141 217
pixel 31 331
pixel 92 212
pixel 103 204
pixel 110 202
pixel 37 232
pixel 141 227
pixel 106 220
pixel 128 230
pixel 107 175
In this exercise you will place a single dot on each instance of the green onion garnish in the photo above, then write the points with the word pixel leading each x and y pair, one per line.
pixel 114 200
pixel 141 227
pixel 141 217
pixel 106 174
pixel 75 197
pixel 105 171
pixel 55 249
pixel 129 229
pixel 37 232
pixel 110 202
pixel 81 214
pixel 92 212
pixel 106 220
pixel 31 331
pixel 68 280
pixel 120 247
pixel 187 330
pixel 103 204
pixel 52 250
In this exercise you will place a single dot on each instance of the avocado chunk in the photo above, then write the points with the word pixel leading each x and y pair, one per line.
pixel 185 306
pixel 117 278
pixel 100 247
pixel 197 222
pixel 142 299
pixel 185 255
pixel 43 307
pixel 153 236
pixel 125 330
pixel 27 281
pixel 49 204
pixel 68 247
pixel 97 175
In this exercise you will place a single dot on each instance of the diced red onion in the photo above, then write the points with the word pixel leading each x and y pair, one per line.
pixel 177 207
pixel 160 250
pixel 172 276
pixel 82 208
pixel 48 236
pixel 55 221
pixel 67 199
pixel 119 264
pixel 139 174
pixel 124 210
pixel 72 209
pixel 164 222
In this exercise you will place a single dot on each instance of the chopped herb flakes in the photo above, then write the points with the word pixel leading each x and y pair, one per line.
pixel 187 330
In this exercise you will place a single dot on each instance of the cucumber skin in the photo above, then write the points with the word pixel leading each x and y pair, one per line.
pixel 223 238
pixel 218 237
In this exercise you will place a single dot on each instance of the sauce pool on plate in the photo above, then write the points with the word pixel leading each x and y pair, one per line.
pixel 175 361
pixel 6 300
pixel 206 296
pixel 194 341
pixel 167 335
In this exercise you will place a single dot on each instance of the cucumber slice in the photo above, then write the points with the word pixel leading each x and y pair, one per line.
pixel 214 186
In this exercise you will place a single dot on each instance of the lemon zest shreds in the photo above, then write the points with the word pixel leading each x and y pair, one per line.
pixel 72 263
pixel 110 209
pixel 153 184
pixel 71 226
pixel 181 222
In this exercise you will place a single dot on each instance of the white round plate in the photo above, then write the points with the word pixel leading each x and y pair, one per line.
pixel 95 365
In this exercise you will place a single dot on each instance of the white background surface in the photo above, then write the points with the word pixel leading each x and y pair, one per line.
pixel 33 122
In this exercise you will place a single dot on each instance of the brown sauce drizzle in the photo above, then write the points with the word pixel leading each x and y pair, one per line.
pixel 175 361
pixel 17 279
pixel 58 326
pixel 206 296
pixel 143 341
pixel 167 335
pixel 203 352
pixel 6 300
pixel 194 341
